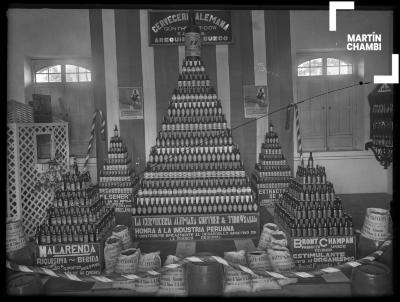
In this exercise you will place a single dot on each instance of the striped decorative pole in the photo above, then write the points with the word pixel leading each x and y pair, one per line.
pixel 91 139
pixel 299 146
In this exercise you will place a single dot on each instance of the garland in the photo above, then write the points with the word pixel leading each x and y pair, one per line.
pixel 275 275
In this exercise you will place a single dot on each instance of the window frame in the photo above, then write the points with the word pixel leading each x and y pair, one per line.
pixel 38 64
pixel 324 58
pixel 357 62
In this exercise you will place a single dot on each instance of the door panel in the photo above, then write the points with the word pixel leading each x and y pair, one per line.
pixel 312 113
pixel 340 112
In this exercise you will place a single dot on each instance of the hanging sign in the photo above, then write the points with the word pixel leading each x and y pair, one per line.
pixel 168 27
pixel 196 227
pixel 255 100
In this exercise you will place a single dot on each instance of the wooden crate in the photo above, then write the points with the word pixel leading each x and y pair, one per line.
pixel 18 112
pixel 23 200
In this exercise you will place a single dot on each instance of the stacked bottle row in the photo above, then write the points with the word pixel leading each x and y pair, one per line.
pixel 117 176
pixel 310 207
pixel 194 166
pixel 78 215
pixel 272 173
pixel 382 122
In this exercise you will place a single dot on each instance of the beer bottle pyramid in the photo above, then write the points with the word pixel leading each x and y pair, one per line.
pixel 78 214
pixel 118 183
pixel 272 173
pixel 310 208
pixel 194 168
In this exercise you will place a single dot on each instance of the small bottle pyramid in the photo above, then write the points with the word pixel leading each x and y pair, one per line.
pixel 272 173
pixel 310 208
pixel 118 183
pixel 194 168
pixel 78 213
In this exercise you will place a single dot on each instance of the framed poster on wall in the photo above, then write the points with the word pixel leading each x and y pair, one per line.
pixel 130 103
pixel 255 100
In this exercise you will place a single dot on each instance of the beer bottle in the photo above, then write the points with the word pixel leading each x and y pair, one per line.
pixel 314 230
pixel 304 232
pixel 86 235
pixel 80 235
pixel 91 233
pixel 325 231
pixel 75 236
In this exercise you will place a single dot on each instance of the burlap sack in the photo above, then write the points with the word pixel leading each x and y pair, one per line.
pixel 150 261
pixel 112 249
pixel 278 238
pixel 123 233
pixel 127 261
pixel 258 260
pixel 376 224
pixel 235 280
pixel 280 258
pixel 265 238
pixel 148 284
pixel 261 283
pixel 173 280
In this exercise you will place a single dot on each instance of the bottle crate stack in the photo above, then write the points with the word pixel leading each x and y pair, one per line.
pixel 118 183
pixel 320 231
pixel 272 173
pixel 76 225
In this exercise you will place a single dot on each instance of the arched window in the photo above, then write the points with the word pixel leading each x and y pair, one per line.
pixel 324 66
pixel 75 73
pixel 336 67
pixel 310 68
pixel 63 73
pixel 50 74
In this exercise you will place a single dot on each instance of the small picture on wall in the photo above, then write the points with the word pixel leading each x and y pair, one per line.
pixel 256 100
pixel 130 103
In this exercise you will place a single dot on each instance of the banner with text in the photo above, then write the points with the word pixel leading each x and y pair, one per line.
pixel 168 27
pixel 196 227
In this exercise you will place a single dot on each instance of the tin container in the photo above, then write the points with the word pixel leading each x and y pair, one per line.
pixel 372 279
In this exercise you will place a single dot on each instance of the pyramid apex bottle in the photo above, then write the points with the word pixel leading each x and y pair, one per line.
pixel 192 37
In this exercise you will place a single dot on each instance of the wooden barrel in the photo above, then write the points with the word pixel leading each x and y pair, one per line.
pixel 372 279
pixel 204 278
pixel 24 284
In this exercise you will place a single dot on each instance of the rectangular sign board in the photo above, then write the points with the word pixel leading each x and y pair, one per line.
pixel 168 27
pixel 83 259
pixel 121 201
pixel 196 227
pixel 319 252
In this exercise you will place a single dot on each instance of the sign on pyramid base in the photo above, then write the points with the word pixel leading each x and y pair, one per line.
pixel 196 227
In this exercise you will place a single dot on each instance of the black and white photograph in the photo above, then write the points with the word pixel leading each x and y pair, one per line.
pixel 190 150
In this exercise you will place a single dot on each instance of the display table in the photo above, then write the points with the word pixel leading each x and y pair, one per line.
pixel 334 284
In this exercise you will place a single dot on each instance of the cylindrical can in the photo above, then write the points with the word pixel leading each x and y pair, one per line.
pixel 204 278
pixel 372 279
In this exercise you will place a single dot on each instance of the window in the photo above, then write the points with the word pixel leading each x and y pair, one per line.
pixel 63 73
pixel 49 74
pixel 75 73
pixel 317 67
pixel 334 121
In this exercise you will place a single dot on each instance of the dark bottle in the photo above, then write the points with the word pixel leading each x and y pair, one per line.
pixel 192 37
pixel 304 232
pixel 325 230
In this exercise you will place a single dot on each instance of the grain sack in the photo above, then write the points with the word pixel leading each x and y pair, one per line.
pixel 149 284
pixel 236 280
pixel 280 258
pixel 265 238
pixel 150 261
pixel 112 249
pixel 260 283
pixel 258 260
pixel 173 280
pixel 127 261
pixel 376 224
pixel 122 232
pixel 279 238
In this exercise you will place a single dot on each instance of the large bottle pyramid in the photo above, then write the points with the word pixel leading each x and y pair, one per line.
pixel 194 168
pixel 272 173
pixel 310 208
pixel 118 183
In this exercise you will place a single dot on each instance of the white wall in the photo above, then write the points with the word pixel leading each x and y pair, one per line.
pixel 355 171
pixel 43 33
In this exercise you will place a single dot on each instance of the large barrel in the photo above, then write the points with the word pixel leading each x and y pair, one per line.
pixel 204 278
pixel 372 279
